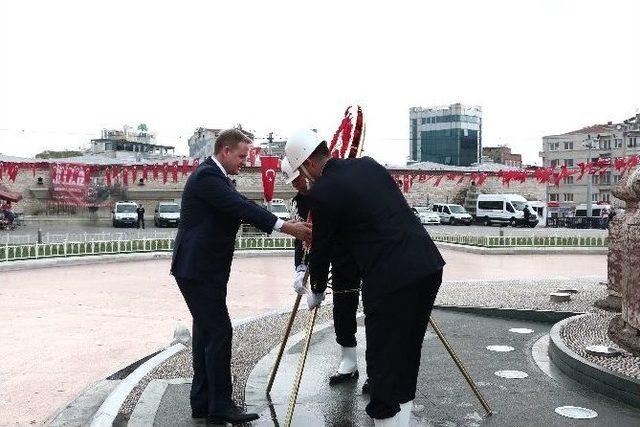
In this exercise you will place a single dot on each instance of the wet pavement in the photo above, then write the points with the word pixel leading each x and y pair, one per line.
pixel 443 397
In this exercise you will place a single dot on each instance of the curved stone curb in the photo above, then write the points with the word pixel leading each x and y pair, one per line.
pixel 596 377
pixel 521 250
pixel 111 406
pixel 109 259
pixel 542 316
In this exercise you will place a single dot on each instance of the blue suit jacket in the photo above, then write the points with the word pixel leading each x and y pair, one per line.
pixel 210 216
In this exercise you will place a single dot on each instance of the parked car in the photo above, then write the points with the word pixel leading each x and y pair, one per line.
pixel 504 209
pixel 167 214
pixel 452 214
pixel 426 215
pixel 125 214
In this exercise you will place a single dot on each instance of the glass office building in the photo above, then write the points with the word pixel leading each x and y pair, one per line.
pixel 450 135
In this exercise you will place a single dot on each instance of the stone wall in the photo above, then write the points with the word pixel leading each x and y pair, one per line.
pixel 249 182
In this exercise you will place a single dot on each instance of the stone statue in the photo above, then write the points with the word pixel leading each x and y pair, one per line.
pixel 616 254
pixel 624 329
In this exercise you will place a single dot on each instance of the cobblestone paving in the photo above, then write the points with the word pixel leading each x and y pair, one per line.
pixel 592 329
pixel 253 340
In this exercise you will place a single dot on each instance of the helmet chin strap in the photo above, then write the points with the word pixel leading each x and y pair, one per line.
pixel 306 173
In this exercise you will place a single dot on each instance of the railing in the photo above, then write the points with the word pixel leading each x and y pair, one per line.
pixel 523 241
pixel 67 249
pixel 165 244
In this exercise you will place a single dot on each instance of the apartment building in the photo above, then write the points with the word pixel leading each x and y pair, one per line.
pixel 609 140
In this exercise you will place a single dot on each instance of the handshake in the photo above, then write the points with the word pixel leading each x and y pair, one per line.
pixel 297 229
pixel 313 299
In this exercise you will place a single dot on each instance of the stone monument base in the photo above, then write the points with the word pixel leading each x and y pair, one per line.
pixel 625 335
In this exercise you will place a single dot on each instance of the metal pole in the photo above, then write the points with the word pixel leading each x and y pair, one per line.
pixel 301 363
pixel 589 183
pixel 460 366
pixel 285 338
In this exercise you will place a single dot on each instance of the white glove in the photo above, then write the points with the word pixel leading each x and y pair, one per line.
pixel 314 300
pixel 298 284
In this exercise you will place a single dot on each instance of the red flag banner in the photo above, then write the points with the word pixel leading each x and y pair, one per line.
pixel 71 185
pixel 268 166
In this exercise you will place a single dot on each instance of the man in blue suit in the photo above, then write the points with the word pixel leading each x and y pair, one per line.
pixel 210 216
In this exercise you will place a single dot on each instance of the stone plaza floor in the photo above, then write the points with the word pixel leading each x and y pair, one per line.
pixel 69 327
pixel 443 397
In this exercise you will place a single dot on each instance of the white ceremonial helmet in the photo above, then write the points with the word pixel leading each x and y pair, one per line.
pixel 289 174
pixel 299 147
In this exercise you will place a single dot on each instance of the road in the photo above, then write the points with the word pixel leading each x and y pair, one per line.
pixel 58 231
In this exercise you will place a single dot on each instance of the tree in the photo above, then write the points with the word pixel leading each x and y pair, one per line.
pixel 142 127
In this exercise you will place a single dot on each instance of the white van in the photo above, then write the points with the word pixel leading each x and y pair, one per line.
pixel 452 214
pixel 597 211
pixel 279 208
pixel 505 209
pixel 167 214
pixel 541 209
pixel 125 213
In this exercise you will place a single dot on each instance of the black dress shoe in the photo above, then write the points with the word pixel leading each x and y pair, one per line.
pixel 365 387
pixel 342 378
pixel 233 415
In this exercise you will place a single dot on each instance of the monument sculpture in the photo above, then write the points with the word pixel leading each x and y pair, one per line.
pixel 624 329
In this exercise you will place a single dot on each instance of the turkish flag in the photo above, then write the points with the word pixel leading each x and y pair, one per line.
pixel 268 166
pixel 145 172
pixel 107 176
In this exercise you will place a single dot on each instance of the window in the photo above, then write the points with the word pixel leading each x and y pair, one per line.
pixel 618 143
pixel 554 163
pixel 568 163
pixel 423 120
pixel 568 197
pixel 605 144
pixel 554 197
pixel 606 178
pixel 568 180
pixel 595 197
pixel 510 208
pixel 568 145
pixel 604 197
pixel 616 179
pixel 595 179
pixel 554 146
pixel 490 205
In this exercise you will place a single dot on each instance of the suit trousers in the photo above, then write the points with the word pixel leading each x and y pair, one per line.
pixel 212 334
pixel 395 328
pixel 345 306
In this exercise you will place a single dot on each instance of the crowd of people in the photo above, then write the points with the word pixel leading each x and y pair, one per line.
pixel 362 230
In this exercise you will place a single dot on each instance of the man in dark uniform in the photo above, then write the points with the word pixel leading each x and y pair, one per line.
pixel 345 285
pixel 210 216
pixel 140 212
pixel 357 203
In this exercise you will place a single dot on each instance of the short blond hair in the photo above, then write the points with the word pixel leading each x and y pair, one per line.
pixel 230 138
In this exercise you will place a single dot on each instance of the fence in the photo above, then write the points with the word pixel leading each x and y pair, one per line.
pixel 165 244
pixel 66 249
pixel 523 241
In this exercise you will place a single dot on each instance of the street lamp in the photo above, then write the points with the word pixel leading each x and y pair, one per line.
pixel 589 143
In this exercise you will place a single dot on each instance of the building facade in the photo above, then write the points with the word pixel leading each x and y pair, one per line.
pixel 129 143
pixel 502 155
pixel 202 140
pixel 608 141
pixel 450 135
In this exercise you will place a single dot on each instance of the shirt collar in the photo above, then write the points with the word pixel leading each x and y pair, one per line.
pixel 217 162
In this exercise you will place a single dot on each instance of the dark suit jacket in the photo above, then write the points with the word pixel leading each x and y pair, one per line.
pixel 210 216
pixel 358 204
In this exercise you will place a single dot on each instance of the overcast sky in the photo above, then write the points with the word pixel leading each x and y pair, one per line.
pixel 71 68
